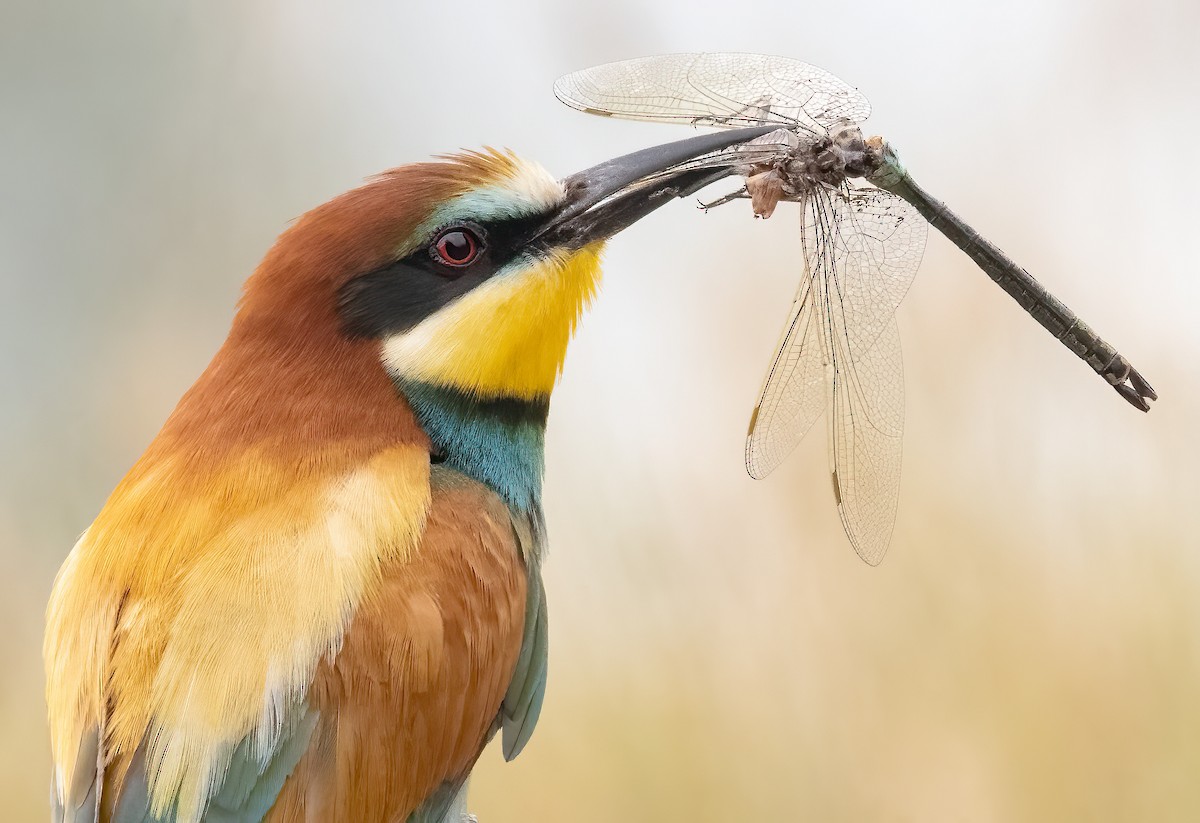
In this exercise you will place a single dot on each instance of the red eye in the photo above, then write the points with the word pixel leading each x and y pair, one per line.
pixel 457 246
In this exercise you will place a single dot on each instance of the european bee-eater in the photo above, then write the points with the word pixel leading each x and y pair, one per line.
pixel 317 595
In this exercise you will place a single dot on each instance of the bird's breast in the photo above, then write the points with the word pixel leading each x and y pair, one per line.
pixel 413 696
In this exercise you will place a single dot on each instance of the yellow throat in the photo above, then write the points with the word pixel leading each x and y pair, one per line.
pixel 507 337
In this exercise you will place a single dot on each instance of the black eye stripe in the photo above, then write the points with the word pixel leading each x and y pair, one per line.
pixel 505 237
pixel 398 296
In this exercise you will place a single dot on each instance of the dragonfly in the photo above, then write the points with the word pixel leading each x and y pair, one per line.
pixel 863 228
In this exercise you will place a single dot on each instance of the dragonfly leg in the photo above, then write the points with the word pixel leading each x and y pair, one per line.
pixel 740 194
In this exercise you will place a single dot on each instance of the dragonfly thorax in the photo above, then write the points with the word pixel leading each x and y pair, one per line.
pixel 842 153
pixel 805 163
pixel 856 157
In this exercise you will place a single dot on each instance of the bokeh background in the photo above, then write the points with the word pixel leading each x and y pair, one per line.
pixel 1030 648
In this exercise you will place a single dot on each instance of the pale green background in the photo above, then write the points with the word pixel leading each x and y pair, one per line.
pixel 1029 650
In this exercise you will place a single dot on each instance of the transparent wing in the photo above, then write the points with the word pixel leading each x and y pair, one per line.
pixel 865 432
pixel 862 247
pixel 794 393
pixel 867 244
pixel 721 89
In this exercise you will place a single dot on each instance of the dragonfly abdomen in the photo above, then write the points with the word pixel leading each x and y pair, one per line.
pixel 1048 310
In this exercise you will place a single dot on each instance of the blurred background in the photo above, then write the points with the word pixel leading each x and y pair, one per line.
pixel 1029 649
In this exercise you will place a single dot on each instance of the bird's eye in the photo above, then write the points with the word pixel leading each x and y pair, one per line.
pixel 456 246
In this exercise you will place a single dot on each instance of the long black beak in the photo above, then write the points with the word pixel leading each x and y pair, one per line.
pixel 614 195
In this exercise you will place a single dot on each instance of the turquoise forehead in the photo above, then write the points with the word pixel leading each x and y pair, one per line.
pixel 521 196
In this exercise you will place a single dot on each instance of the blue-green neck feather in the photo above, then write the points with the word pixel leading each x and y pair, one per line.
pixel 499 442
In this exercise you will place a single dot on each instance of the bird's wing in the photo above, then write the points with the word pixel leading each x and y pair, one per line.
pixel 187 627
pixel 414 695
pixel 249 786
pixel 523 700
pixel 114 785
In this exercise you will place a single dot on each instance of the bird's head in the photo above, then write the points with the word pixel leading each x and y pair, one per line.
pixel 480 295
pixel 467 274
pixel 470 272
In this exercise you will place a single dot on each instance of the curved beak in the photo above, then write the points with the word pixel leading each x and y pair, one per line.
pixel 614 195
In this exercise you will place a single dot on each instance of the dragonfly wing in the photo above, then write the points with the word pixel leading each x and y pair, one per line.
pixel 763 150
pixel 867 244
pixel 861 248
pixel 720 89
pixel 865 431
pixel 794 392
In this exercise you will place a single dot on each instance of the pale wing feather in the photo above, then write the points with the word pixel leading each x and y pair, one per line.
pixel 246 793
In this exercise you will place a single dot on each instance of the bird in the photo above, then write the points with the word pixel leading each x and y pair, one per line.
pixel 317 595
